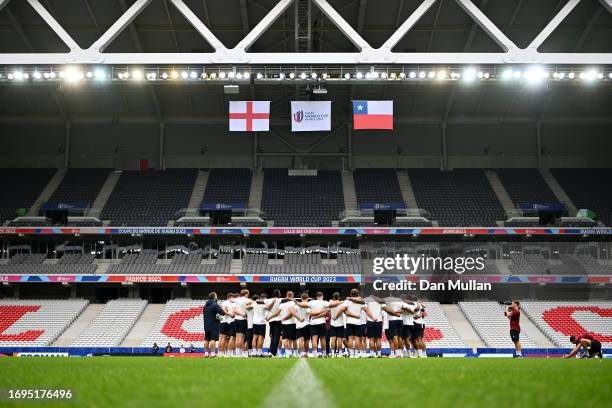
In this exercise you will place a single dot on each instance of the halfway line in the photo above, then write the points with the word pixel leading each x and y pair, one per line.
pixel 300 380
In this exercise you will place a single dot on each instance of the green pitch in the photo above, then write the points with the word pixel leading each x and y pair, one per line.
pixel 173 382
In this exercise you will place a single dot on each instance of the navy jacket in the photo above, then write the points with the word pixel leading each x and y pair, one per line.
pixel 211 309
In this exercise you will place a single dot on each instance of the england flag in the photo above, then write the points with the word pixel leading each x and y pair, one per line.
pixel 249 116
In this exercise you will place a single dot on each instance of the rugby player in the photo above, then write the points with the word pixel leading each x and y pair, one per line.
pixel 240 320
pixel 374 328
pixel 337 321
pixel 352 308
pixel 393 308
pixel 228 329
pixel 289 317
pixel 419 330
pixel 259 323
pixel 248 338
pixel 274 320
pixel 408 310
pixel 302 326
pixel 318 332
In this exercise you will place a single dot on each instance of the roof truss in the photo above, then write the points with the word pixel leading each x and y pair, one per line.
pixel 366 54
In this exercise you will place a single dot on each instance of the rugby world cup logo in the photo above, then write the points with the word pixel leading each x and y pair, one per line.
pixel 298 116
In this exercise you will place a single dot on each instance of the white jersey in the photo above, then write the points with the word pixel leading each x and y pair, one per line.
pixel 340 321
pixel 275 305
pixel 241 304
pixel 407 314
pixel 356 309
pixel 317 306
pixel 229 308
pixel 385 318
pixel 418 317
pixel 249 318
pixel 303 313
pixel 259 313
pixel 376 309
pixel 285 308
pixel 363 317
pixel 396 307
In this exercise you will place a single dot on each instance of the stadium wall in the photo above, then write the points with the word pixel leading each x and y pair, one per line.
pixel 122 351
pixel 121 146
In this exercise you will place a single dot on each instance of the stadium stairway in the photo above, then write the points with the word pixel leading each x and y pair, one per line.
pixel 197 193
pixel 406 187
pixel 488 320
pixel 464 329
pixel 81 323
pixel 500 191
pixel 558 191
pixel 143 325
pixel 531 330
pixel 104 194
pixel 112 324
pixel 236 267
pixel 348 189
pixel 256 191
pixel 47 192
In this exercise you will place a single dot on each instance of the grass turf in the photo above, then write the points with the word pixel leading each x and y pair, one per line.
pixel 166 382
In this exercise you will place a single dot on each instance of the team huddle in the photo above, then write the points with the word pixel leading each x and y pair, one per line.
pixel 313 327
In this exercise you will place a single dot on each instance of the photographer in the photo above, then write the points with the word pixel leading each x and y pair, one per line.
pixel 513 313
pixel 212 323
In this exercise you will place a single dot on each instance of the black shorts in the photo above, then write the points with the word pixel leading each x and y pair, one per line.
pixel 288 331
pixel 318 330
pixel 595 348
pixel 241 326
pixel 228 329
pixel 418 331
pixel 303 332
pixel 407 330
pixel 374 330
pixel 388 335
pixel 395 328
pixel 353 330
pixel 336 331
pixel 259 330
pixel 515 336
pixel 248 337
pixel 211 335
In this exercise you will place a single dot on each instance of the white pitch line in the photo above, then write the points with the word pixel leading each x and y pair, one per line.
pixel 298 383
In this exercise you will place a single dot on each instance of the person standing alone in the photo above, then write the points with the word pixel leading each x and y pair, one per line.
pixel 514 315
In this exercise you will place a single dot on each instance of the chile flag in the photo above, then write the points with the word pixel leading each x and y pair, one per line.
pixel 373 115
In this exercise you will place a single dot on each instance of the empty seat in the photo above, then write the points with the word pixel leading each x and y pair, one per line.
pixel 20 189
pixel 30 323
pixel 458 198
pixel 588 188
pixel 149 198
pixel 113 323
pixel 228 186
pixel 559 320
pixel 377 186
pixel 305 201
pixel 492 326
pixel 80 186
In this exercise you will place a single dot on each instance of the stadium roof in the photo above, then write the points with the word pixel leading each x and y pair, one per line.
pixel 445 27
